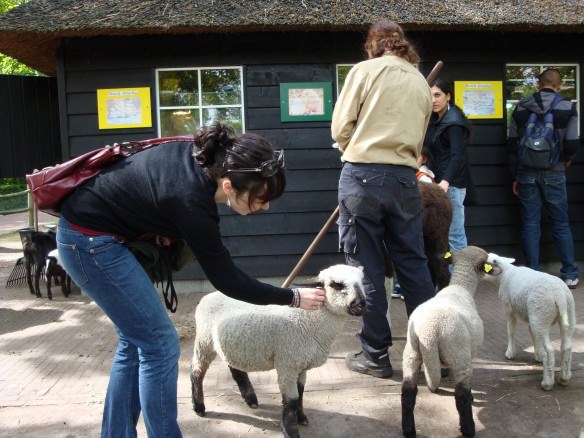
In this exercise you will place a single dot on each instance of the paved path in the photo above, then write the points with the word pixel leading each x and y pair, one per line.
pixel 11 222
pixel 55 358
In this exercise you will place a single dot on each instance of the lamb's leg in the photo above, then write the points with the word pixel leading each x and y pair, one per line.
pixel 511 325
pixel 199 365
pixel 245 387
pixel 64 286
pixel 388 291
pixel 68 280
pixel 28 272
pixel 543 344
pixel 463 397
pixel 302 419
pixel 566 333
pixel 37 279
pixel 412 364
pixel 49 292
pixel 290 400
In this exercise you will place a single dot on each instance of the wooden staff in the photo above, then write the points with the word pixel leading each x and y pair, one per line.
pixel 333 217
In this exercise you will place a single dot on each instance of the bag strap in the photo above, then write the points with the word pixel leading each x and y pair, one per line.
pixel 128 148
pixel 168 290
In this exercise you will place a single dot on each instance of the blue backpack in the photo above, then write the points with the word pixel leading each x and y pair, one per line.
pixel 539 147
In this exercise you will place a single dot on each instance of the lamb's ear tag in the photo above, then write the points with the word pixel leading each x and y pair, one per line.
pixel 447 255
pixel 488 267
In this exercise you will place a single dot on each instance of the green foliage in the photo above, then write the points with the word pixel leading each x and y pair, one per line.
pixel 12 185
pixel 8 65
pixel 6 5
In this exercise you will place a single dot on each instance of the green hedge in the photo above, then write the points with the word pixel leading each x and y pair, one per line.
pixel 12 185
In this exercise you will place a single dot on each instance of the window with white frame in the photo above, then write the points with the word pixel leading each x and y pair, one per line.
pixel 521 80
pixel 342 72
pixel 188 98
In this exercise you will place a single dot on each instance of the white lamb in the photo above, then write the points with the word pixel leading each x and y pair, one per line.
pixel 259 338
pixel 541 300
pixel 446 331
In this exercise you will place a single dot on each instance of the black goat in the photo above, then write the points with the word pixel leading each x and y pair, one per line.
pixel 54 270
pixel 36 246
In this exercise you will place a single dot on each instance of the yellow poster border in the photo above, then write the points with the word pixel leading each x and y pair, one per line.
pixel 463 88
pixel 136 108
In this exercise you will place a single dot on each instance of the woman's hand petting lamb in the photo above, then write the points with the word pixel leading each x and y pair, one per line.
pixel 311 298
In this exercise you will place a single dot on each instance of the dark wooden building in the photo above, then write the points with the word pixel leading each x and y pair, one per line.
pixel 253 47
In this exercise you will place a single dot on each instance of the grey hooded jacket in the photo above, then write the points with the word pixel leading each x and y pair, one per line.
pixel 565 124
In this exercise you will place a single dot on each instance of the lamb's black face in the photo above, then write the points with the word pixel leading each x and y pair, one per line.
pixel 337 286
pixel 357 306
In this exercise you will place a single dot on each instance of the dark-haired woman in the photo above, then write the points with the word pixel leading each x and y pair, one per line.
pixel 171 191
pixel 446 139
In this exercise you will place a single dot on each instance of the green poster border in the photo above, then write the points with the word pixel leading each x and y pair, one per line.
pixel 285 115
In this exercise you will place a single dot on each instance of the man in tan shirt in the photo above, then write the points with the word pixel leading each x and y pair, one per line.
pixel 379 123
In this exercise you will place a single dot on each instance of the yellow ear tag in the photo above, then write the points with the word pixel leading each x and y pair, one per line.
pixel 488 267
pixel 447 255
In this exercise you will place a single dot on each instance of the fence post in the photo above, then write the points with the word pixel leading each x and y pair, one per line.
pixel 33 214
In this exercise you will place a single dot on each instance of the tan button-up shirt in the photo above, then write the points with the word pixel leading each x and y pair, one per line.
pixel 382 112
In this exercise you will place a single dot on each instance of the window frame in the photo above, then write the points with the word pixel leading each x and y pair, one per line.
pixel 200 107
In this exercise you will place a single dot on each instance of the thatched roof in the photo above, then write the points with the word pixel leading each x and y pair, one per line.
pixel 32 32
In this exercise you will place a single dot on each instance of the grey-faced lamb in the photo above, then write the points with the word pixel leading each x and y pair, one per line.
pixel 446 331
pixel 260 338
pixel 541 300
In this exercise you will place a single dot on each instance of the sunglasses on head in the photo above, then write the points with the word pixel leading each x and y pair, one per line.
pixel 267 168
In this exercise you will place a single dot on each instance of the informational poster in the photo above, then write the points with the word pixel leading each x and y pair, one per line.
pixel 480 99
pixel 124 108
pixel 305 101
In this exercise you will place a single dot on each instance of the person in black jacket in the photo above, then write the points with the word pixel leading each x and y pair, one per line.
pixel 445 141
pixel 536 187
pixel 170 191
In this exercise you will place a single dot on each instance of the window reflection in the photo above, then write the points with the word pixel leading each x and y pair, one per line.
pixel 521 81
pixel 195 97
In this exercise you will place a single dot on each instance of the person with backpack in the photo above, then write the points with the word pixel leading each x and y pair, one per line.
pixel 542 142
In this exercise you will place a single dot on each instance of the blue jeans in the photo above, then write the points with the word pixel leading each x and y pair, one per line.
pixel 456 234
pixel 381 204
pixel 548 187
pixel 144 373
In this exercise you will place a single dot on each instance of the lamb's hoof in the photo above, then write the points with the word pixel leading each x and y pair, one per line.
pixel 199 409
pixel 252 401
pixel 290 433
pixel 547 386
pixel 563 382
pixel 303 421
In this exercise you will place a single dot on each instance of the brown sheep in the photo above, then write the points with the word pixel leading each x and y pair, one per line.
pixel 436 218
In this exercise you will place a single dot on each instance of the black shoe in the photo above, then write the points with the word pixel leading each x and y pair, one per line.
pixel 360 363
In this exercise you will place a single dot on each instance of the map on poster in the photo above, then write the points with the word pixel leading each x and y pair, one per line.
pixel 124 108
pixel 479 99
